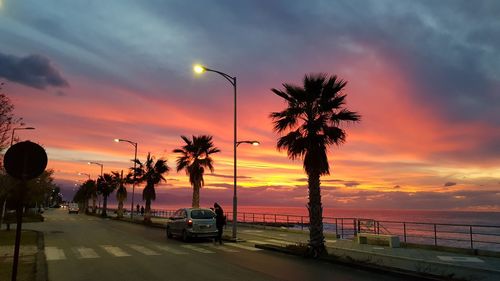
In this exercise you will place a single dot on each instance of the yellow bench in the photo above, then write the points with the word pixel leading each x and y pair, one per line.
pixel 392 239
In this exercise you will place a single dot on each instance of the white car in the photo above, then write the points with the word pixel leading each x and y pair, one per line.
pixel 73 208
pixel 192 223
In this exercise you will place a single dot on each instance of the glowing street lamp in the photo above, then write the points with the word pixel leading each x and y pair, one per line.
pixel 96 163
pixel 254 142
pixel 20 128
pixel 133 183
pixel 201 69
pixel 84 174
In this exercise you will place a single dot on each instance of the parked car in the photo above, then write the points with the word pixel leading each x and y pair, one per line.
pixel 73 208
pixel 190 223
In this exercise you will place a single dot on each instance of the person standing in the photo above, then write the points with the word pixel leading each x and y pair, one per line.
pixel 220 221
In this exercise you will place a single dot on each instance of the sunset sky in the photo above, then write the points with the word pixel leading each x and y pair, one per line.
pixel 424 75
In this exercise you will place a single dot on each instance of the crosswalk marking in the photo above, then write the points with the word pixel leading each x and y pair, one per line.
pixel 330 241
pixel 54 253
pixel 85 253
pixel 143 250
pixel 198 249
pixel 243 247
pixel 115 251
pixel 223 248
pixel 170 250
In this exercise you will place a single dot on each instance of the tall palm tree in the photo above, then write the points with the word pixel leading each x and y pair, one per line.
pixel 310 123
pixel 151 173
pixel 121 192
pixel 194 158
pixel 106 184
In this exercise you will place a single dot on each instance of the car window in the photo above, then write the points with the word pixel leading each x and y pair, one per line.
pixel 202 214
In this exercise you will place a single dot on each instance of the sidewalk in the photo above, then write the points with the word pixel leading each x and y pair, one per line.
pixel 421 261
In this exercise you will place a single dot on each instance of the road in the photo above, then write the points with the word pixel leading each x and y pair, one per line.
pixel 80 247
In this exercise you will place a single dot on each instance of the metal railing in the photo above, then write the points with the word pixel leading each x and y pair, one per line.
pixel 437 234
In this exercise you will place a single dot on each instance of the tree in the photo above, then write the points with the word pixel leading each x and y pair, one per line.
pixel 194 159
pixel 84 193
pixel 151 173
pixel 7 121
pixel 312 121
pixel 121 193
pixel 106 184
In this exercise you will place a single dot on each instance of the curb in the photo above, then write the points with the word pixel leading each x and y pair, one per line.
pixel 356 264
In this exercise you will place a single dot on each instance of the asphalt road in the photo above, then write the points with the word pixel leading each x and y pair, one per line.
pixel 80 247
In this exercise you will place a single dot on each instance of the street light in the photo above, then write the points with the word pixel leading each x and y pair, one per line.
pixel 20 128
pixel 84 174
pixel 133 183
pixel 201 69
pixel 254 142
pixel 96 163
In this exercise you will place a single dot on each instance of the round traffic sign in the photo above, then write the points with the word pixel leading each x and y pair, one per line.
pixel 25 160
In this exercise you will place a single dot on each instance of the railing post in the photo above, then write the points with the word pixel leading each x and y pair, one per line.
pixel 471 241
pixel 355 227
pixel 378 227
pixel 253 217
pixel 244 219
pixel 275 219
pixel 435 235
pixel 404 231
pixel 287 221
pixel 264 218
pixel 336 229
pixel 301 222
pixel 342 228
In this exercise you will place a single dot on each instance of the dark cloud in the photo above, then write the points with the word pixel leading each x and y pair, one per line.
pixel 450 183
pixel 397 187
pixel 34 71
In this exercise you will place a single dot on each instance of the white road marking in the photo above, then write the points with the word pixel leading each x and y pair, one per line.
pixel 330 241
pixel 243 247
pixel 85 253
pixel 251 231
pixel 378 248
pixel 170 250
pixel 198 249
pixel 281 242
pixel 143 250
pixel 460 259
pixel 222 248
pixel 115 251
pixel 54 253
pixel 260 242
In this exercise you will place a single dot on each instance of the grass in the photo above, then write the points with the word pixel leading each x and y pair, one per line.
pixel 27 263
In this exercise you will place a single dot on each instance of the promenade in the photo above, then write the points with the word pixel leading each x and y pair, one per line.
pixel 432 264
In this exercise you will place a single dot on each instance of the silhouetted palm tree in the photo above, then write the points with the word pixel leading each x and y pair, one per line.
pixel 106 184
pixel 121 193
pixel 312 121
pixel 150 172
pixel 194 158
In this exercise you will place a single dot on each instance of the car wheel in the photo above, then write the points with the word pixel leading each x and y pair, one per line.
pixel 185 236
pixel 169 234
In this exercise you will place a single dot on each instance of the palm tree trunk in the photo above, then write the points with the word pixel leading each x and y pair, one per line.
pixel 120 208
pixel 93 204
pixel 147 211
pixel 196 195
pixel 316 238
pixel 104 205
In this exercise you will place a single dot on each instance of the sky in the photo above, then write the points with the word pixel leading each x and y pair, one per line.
pixel 424 76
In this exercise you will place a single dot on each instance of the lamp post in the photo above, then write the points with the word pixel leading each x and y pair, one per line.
pixel 84 174
pixel 96 163
pixel 20 128
pixel 200 69
pixel 133 183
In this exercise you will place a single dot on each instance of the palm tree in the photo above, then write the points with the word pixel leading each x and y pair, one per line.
pixel 150 172
pixel 106 184
pixel 194 158
pixel 121 193
pixel 312 121
pixel 84 193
